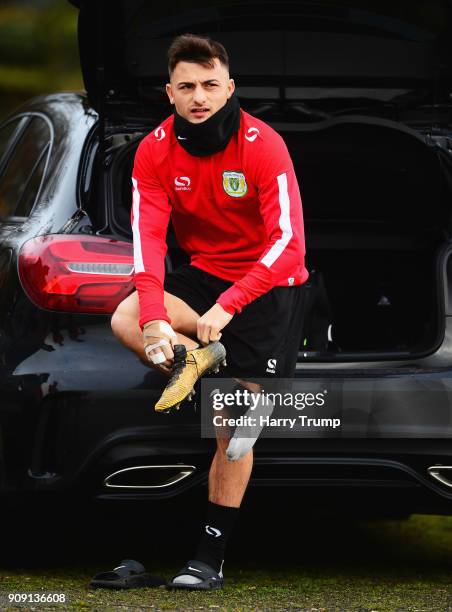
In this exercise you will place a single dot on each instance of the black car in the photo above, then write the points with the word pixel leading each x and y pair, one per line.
pixel 361 93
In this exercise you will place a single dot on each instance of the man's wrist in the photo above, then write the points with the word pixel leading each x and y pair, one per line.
pixel 149 315
pixel 162 327
pixel 227 307
pixel 149 323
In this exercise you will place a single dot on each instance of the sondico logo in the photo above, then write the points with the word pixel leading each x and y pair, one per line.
pixel 271 366
pixel 216 533
pixel 182 183
pixel 251 134
pixel 159 133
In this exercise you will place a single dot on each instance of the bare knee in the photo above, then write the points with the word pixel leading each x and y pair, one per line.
pixel 222 444
pixel 119 323
pixel 125 318
pixel 251 386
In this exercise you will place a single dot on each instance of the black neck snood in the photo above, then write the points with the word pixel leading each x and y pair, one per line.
pixel 212 135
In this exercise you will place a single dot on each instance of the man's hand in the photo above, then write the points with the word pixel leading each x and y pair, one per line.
pixel 158 340
pixel 211 323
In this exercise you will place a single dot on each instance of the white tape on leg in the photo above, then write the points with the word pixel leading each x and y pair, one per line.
pixel 246 435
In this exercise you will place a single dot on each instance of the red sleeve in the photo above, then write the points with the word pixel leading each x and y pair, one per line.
pixel 281 210
pixel 149 216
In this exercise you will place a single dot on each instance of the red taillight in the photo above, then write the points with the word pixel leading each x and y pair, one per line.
pixel 76 274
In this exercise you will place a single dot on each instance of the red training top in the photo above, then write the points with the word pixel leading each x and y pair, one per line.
pixel 237 213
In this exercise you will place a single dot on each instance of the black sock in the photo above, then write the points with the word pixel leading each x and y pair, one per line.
pixel 219 524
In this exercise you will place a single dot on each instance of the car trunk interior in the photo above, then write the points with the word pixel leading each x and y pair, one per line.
pixel 377 212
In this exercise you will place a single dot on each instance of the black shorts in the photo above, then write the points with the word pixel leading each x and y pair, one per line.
pixel 263 340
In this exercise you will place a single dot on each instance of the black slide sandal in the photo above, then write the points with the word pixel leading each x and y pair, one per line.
pixel 129 574
pixel 210 579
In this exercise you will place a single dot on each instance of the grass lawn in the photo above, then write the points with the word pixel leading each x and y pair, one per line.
pixel 319 565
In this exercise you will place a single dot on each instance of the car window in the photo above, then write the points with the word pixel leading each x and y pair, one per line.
pixel 22 176
pixel 6 133
pixel 5 259
pixel 30 192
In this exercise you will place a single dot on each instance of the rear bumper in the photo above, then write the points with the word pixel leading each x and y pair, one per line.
pixel 382 477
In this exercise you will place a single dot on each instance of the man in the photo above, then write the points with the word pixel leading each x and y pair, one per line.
pixel 228 183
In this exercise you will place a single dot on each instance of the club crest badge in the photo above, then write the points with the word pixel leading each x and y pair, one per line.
pixel 234 184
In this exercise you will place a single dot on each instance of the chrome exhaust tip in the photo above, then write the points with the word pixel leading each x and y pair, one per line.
pixel 442 473
pixel 148 476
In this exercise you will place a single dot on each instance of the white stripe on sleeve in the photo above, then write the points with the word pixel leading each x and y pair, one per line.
pixel 137 253
pixel 284 223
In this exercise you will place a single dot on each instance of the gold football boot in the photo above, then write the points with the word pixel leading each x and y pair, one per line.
pixel 188 367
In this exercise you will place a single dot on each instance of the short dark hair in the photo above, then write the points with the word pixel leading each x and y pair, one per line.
pixel 196 49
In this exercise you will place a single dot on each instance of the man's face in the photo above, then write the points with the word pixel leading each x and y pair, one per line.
pixel 197 91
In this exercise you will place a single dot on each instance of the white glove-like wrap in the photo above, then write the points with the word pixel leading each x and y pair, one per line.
pixel 160 329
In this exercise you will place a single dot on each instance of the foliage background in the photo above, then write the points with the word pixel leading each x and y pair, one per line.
pixel 38 50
